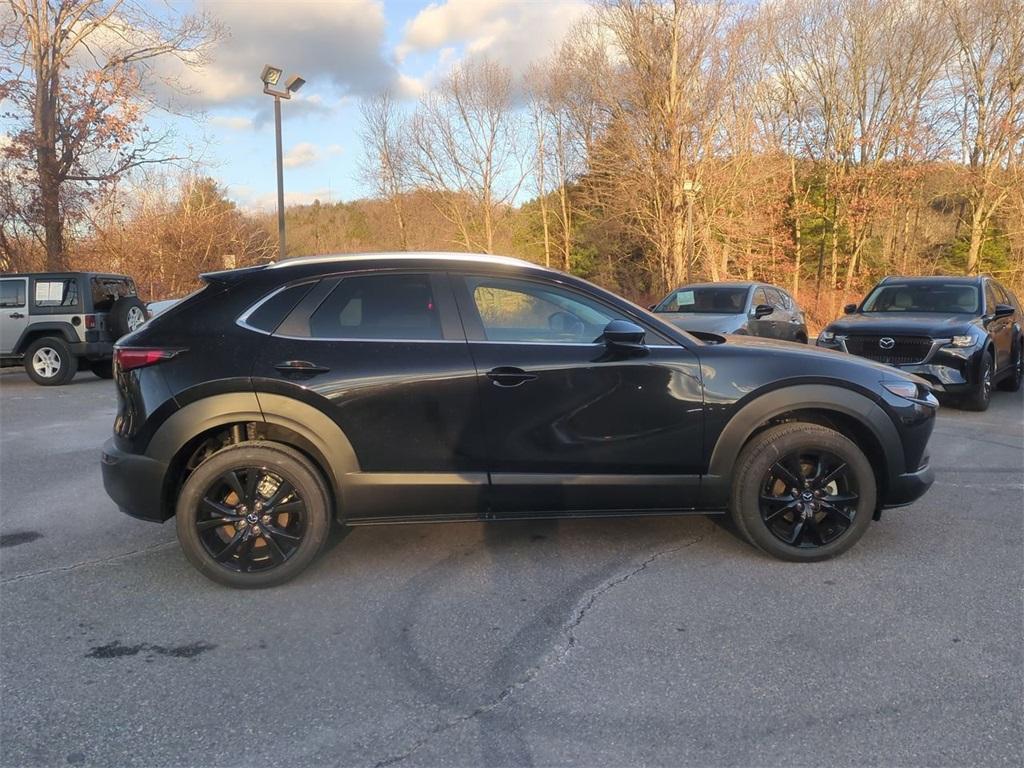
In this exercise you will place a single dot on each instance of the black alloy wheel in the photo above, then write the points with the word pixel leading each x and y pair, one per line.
pixel 981 395
pixel 251 519
pixel 809 498
pixel 802 492
pixel 253 514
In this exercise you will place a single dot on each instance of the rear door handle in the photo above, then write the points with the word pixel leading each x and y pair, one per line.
pixel 302 367
pixel 509 376
pixel 17 315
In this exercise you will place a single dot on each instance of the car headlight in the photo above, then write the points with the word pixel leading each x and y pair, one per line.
pixel 962 341
pixel 827 336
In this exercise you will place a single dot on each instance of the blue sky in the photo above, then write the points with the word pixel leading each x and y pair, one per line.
pixel 345 49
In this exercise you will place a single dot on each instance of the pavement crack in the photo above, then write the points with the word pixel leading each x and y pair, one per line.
pixel 557 656
pixel 87 563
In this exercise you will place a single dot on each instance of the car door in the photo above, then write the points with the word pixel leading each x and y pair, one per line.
pixel 761 326
pixel 571 425
pixel 13 312
pixel 384 355
pixel 782 327
pixel 999 328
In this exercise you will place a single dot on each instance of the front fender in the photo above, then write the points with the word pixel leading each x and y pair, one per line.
pixel 715 486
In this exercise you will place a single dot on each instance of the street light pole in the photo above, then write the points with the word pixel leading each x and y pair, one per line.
pixel 690 188
pixel 280 179
pixel 271 77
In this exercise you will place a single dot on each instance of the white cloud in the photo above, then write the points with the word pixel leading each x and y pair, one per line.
pixel 334 44
pixel 264 202
pixel 302 154
pixel 233 123
pixel 512 32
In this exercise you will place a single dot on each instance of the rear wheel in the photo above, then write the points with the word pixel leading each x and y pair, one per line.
pixel 49 361
pixel 802 492
pixel 102 368
pixel 981 393
pixel 253 515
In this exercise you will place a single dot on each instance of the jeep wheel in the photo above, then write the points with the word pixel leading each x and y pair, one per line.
pixel 253 515
pixel 102 368
pixel 127 315
pixel 49 361
pixel 802 492
pixel 981 393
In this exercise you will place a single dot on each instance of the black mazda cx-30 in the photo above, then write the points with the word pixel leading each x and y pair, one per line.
pixel 401 387
pixel 963 334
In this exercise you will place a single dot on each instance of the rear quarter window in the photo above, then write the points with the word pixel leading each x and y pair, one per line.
pixel 268 313
pixel 107 290
pixel 55 293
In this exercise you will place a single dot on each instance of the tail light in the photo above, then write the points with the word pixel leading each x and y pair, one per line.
pixel 90 322
pixel 127 358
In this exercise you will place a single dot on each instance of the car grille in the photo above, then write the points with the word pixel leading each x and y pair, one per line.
pixel 906 350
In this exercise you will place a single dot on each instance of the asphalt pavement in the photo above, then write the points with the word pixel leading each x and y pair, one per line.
pixel 661 641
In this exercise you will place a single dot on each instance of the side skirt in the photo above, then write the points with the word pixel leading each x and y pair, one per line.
pixel 520 516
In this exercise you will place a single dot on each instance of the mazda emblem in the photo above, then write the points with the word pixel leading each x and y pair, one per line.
pixel 887 342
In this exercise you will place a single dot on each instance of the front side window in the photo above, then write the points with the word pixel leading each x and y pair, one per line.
pixel 728 300
pixel 775 298
pixel 944 298
pixel 12 293
pixel 56 293
pixel 760 297
pixel 383 306
pixel 526 311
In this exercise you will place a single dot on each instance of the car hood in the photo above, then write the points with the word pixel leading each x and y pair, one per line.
pixel 903 324
pixel 828 356
pixel 704 321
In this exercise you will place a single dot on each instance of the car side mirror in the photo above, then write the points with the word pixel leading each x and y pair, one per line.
pixel 763 310
pixel 1004 310
pixel 624 335
pixel 652 306
pixel 849 309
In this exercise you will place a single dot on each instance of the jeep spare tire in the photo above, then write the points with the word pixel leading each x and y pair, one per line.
pixel 127 315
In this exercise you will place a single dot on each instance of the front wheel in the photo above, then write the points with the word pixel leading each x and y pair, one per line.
pixel 253 515
pixel 802 492
pixel 50 362
pixel 981 392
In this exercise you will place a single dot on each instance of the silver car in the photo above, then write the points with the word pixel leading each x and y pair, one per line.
pixel 752 309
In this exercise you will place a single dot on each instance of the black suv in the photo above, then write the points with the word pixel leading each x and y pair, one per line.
pixel 53 321
pixel 397 387
pixel 963 334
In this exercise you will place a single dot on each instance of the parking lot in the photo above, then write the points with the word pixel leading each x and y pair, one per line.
pixel 661 641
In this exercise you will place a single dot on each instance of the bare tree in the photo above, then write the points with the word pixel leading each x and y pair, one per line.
pixel 77 76
pixel 385 135
pixel 988 79
pixel 466 140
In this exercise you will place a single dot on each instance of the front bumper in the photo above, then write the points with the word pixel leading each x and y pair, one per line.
pixel 908 488
pixel 134 482
pixel 948 369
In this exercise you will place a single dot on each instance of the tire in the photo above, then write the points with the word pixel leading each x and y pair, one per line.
pixel 127 315
pixel 256 559
pixel 50 362
pixel 766 511
pixel 102 368
pixel 981 391
pixel 801 338
pixel 1012 383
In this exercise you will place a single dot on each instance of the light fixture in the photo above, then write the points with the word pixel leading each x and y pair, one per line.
pixel 271 76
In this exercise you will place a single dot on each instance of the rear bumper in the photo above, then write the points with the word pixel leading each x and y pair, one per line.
pixel 908 488
pixel 93 350
pixel 134 482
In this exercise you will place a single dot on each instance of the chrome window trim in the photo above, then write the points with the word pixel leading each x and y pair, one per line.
pixel 242 320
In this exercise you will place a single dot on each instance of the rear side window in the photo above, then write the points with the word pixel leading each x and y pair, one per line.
pixel 107 290
pixel 391 306
pixel 12 293
pixel 56 293
pixel 269 314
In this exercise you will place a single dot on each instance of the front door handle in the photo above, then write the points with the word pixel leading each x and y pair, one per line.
pixel 300 367
pixel 509 376
pixel 17 315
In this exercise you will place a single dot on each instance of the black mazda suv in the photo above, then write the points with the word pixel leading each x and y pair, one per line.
pixel 962 334
pixel 392 388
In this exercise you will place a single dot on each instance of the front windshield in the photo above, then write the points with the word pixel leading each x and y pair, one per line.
pixel 924 297
pixel 718 299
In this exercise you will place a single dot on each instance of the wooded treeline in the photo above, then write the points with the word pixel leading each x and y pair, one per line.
pixel 818 144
